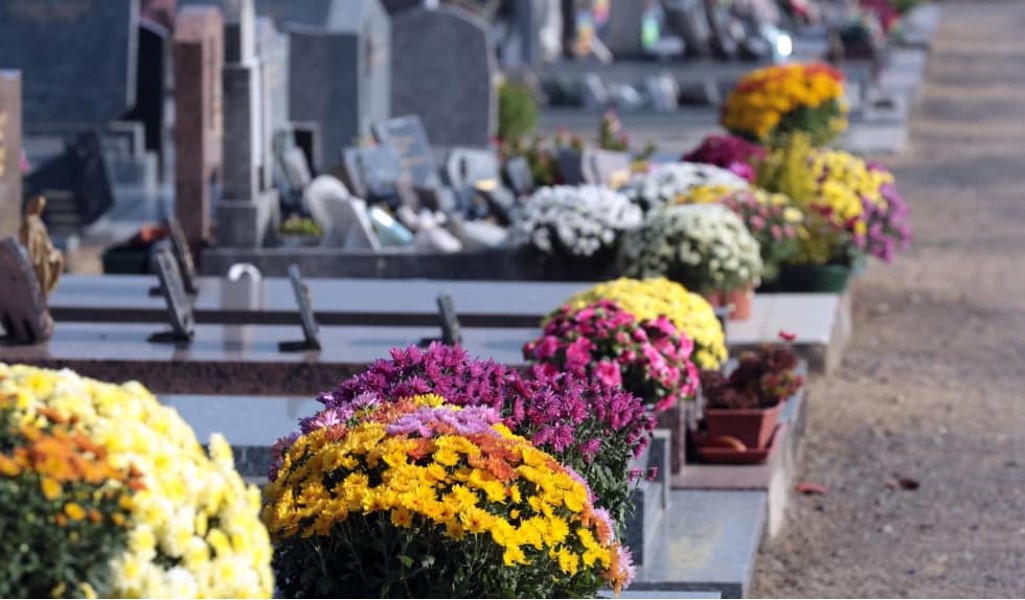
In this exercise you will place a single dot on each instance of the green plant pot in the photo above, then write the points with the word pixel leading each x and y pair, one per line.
pixel 809 279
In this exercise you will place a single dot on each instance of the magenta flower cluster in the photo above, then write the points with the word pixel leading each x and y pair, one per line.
pixel 729 152
pixel 888 228
pixel 443 370
pixel 650 359
pixel 587 423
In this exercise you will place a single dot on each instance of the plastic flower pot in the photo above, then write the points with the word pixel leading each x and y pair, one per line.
pixel 752 426
pixel 810 279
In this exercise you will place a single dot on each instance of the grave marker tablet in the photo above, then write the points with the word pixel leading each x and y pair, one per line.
pixel 179 310
pixel 311 331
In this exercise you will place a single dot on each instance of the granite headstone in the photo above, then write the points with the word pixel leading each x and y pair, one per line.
pixel 198 59
pixel 24 316
pixel 77 57
pixel 341 77
pixel 452 87
pixel 77 185
pixel 249 210
pixel 152 70
pixel 10 152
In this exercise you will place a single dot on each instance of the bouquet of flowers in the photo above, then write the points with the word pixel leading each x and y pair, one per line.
pixel 576 222
pixel 762 379
pixel 118 497
pixel 649 299
pixel 411 497
pixel 729 152
pixel 831 188
pixel 705 247
pixel 773 220
pixel 586 424
pixel 664 184
pixel 775 101
pixel 887 226
pixel 650 358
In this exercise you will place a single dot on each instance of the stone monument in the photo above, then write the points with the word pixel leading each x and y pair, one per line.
pixel 10 152
pixel 198 58
pixel 248 210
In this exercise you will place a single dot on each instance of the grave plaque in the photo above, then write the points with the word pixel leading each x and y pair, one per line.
pixel 10 152
pixel 605 167
pixel 406 135
pixel 198 59
pixel 23 313
pixel 452 86
pixel 341 75
pixel 179 310
pixel 517 173
pixel 372 172
pixel 311 331
pixel 451 331
pixel 183 255
pixel 467 166
pixel 77 57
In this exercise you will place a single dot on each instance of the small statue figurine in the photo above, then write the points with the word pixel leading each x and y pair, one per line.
pixel 47 261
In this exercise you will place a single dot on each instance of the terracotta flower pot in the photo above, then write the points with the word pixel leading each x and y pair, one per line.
pixel 738 301
pixel 753 426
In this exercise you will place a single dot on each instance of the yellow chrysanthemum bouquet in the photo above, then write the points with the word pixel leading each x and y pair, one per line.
pixel 651 298
pixel 106 492
pixel 416 498
pixel 832 188
pixel 770 103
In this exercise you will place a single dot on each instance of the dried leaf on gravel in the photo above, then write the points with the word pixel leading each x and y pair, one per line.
pixel 809 488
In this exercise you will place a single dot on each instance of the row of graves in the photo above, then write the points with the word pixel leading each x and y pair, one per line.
pixel 425 263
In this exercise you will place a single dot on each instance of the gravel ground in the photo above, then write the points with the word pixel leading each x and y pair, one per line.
pixel 931 387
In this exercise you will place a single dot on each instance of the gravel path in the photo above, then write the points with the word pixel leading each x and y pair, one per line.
pixel 932 385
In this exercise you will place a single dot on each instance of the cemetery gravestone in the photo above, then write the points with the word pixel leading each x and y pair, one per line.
pixel 273 49
pixel 153 64
pixel 452 86
pixel 605 167
pixel 10 152
pixel 23 312
pixel 198 58
pixel 626 21
pixel 248 211
pixel 341 76
pixel 77 57
pixel 407 136
pixel 521 180
pixel 374 173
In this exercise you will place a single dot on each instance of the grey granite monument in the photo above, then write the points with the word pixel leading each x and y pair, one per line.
pixel 451 86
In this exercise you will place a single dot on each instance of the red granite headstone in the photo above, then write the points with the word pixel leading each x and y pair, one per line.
pixel 198 61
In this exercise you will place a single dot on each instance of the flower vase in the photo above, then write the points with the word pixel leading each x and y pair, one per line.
pixel 753 426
